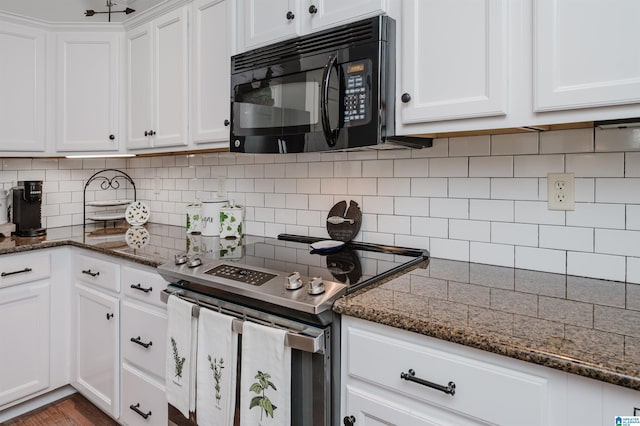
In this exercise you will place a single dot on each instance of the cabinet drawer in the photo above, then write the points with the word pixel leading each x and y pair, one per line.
pixel 142 394
pixel 484 391
pixel 97 272
pixel 143 285
pixel 24 268
pixel 148 329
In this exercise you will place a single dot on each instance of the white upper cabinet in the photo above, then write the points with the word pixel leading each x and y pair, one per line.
pixel 212 40
pixel 586 53
pixel 22 88
pixel 88 78
pixel 328 13
pixel 454 60
pixel 264 22
pixel 158 81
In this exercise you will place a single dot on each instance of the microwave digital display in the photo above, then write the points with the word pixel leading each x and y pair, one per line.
pixel 357 103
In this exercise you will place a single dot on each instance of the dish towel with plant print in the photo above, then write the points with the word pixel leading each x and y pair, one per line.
pixel 216 371
pixel 265 383
pixel 180 355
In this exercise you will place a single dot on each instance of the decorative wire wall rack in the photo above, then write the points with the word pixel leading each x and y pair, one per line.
pixel 111 210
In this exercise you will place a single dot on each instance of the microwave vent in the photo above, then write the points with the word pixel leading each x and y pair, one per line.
pixel 324 41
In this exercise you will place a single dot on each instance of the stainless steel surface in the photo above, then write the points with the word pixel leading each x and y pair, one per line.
pixel 316 286
pixel 294 281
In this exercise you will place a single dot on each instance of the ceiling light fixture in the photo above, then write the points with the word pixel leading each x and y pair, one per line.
pixel 91 12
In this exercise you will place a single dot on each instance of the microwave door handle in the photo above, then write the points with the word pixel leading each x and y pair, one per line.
pixel 330 135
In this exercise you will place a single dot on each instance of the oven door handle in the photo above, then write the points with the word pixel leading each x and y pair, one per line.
pixel 331 135
pixel 293 339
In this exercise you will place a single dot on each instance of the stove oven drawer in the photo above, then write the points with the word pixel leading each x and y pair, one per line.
pixel 100 273
pixel 143 400
pixel 143 285
pixel 495 393
pixel 143 337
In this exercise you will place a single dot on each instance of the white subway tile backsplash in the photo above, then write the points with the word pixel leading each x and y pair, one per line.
pixel 596 164
pixel 333 185
pixel 377 168
pixel 514 189
pixel 471 230
pixel 379 205
pixel 633 270
pixel 276 170
pixel 493 210
pixel 391 154
pixel 412 241
pixel 498 166
pixel 494 254
pixel 411 206
pixel 514 144
pixel 415 167
pixel 541 259
pixel 251 199
pixel 449 249
pixel 469 187
pixel 31 175
pixel 566 141
pixel 633 217
pixel 309 218
pixel 377 238
pixel 618 190
pixel 566 238
pixel 624 243
pixel 449 208
pixel 394 224
pixel 440 148
pixel 297 201
pixel 320 202
pixel 362 155
pixel 600 215
pixel 308 186
pixel 243 185
pixel 261 185
pixel 430 227
pixel 429 187
pixel 538 165
pixel 296 170
pixel 286 215
pixel 585 190
pixel 348 169
pixel 632 164
pixel 514 233
pixel 593 265
pixel 394 186
pixel 361 186
pixel 470 146
pixel 538 212
pixel 449 167
pixel 617 140
pixel 275 200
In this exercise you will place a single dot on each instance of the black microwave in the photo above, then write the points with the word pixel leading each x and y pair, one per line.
pixel 329 90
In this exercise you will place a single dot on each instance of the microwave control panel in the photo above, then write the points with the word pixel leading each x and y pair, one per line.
pixel 357 102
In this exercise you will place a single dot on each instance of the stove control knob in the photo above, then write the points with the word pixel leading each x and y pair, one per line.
pixel 194 262
pixel 316 286
pixel 181 258
pixel 293 281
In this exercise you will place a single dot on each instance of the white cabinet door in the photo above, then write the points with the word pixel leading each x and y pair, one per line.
pixel 211 46
pixel 454 60
pixel 22 88
pixel 170 71
pixel 24 340
pixel 139 87
pixel 88 87
pixel 586 53
pixel 96 369
pixel 328 13
pixel 269 21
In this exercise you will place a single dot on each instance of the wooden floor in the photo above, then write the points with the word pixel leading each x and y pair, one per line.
pixel 75 410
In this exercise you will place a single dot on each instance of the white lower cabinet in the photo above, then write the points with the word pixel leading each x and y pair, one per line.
pixel 24 340
pixel 143 400
pixel 489 389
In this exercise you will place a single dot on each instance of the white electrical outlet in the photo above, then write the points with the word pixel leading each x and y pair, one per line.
pixel 561 192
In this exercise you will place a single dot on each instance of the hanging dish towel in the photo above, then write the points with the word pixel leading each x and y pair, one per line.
pixel 265 392
pixel 180 358
pixel 217 364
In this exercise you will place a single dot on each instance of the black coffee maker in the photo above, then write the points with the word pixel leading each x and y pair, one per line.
pixel 27 208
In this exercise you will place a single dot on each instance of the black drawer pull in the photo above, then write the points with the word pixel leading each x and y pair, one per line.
pixel 136 408
pixel 93 274
pixel 22 271
pixel 139 287
pixel 109 316
pixel 141 343
pixel 411 376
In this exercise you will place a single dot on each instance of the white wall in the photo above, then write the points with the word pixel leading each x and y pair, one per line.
pixel 480 199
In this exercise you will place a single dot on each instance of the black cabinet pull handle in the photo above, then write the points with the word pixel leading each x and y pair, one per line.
pixel 313 10
pixel 141 343
pixel 109 316
pixel 136 408
pixel 410 376
pixel 405 98
pixel 139 287
pixel 22 271
pixel 112 137
pixel 149 133
pixel 290 16
pixel 93 274
pixel 349 421
pixel 226 123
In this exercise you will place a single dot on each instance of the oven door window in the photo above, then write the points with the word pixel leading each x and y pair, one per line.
pixel 286 105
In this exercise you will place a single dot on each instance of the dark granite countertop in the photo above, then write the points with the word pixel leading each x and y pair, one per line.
pixel 579 325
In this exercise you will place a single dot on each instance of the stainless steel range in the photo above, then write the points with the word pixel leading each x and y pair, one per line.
pixel 285 283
